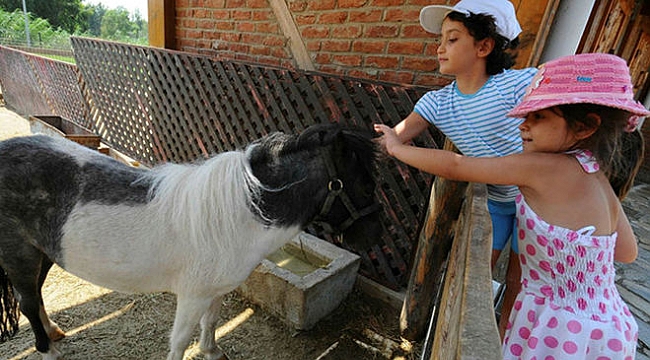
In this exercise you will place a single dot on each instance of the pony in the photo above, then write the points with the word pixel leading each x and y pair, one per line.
pixel 196 229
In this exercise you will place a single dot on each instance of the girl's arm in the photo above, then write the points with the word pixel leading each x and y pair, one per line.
pixel 508 170
pixel 412 126
pixel 626 249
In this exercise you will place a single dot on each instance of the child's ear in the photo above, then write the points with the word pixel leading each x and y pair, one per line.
pixel 586 129
pixel 485 46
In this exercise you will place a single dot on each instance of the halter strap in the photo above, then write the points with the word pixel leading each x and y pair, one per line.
pixel 335 188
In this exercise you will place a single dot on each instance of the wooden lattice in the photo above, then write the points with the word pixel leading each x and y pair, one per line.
pixel 21 89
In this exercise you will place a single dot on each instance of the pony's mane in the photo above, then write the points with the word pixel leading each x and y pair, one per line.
pixel 357 141
pixel 205 200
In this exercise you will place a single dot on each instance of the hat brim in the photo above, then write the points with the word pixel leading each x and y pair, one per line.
pixel 528 106
pixel 431 17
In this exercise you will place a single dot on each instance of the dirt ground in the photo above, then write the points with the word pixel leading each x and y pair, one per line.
pixel 102 324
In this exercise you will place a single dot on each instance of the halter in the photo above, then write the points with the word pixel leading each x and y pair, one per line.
pixel 335 190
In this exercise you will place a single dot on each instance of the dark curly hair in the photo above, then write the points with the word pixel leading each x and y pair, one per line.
pixel 483 26
pixel 619 153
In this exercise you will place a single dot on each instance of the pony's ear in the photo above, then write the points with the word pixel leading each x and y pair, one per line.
pixel 322 134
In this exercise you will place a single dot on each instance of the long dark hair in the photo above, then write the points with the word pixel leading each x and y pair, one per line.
pixel 483 26
pixel 619 153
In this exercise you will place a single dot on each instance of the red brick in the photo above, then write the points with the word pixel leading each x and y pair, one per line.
pixel 244 26
pixel 241 15
pixel 419 64
pixel 317 5
pixel 272 40
pixel 235 4
pixel 431 50
pixel 319 32
pixel 256 4
pixel 305 19
pixel 385 3
pixel 405 47
pixel 213 4
pixel 225 25
pixel 267 28
pixel 322 58
pixel 335 45
pixel 415 31
pixel 365 16
pixel 402 15
pixel 260 50
pixel 220 14
pixel 381 31
pixel 194 34
pixel 252 38
pixel 350 60
pixel 313 45
pixel 368 46
pixel 205 24
pixel 382 62
pixel 337 17
pixel 200 13
pixel 346 31
pixel 230 37
pixel 262 15
pixel 297 6
pixel 351 3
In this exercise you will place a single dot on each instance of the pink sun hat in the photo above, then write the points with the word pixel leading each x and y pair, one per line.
pixel 602 79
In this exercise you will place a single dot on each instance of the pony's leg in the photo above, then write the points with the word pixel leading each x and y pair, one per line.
pixel 25 274
pixel 188 313
pixel 53 330
pixel 209 322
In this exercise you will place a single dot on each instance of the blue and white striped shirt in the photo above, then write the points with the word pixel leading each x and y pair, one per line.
pixel 477 124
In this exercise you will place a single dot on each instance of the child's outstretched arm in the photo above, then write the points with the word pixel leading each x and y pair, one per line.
pixel 507 170
pixel 412 126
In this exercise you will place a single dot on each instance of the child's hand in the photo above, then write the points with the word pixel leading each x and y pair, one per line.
pixel 389 138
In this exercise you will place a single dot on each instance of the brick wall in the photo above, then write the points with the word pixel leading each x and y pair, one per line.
pixel 374 39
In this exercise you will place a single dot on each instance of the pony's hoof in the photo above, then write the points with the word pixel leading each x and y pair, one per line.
pixel 55 333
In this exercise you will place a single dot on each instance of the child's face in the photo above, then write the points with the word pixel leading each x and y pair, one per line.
pixel 457 52
pixel 546 131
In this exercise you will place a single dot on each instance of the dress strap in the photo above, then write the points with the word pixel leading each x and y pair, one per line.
pixel 586 159
pixel 587 230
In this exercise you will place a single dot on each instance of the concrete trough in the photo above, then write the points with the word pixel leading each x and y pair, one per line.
pixel 304 281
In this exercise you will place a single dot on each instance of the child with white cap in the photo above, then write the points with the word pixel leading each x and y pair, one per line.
pixel 579 114
pixel 471 111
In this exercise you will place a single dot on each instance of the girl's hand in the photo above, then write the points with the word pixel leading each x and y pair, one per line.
pixel 389 139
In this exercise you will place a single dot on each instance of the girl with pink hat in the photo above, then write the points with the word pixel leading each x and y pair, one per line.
pixel 471 111
pixel 580 116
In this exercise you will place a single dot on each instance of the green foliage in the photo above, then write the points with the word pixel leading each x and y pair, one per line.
pixel 64 14
pixel 89 20
pixel 12 31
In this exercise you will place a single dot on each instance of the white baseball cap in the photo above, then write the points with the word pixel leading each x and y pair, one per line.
pixel 503 11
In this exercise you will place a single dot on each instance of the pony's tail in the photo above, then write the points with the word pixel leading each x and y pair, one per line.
pixel 9 313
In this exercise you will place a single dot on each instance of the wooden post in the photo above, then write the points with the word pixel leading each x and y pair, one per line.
pixel 161 23
pixel 433 248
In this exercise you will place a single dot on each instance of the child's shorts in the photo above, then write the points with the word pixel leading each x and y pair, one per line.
pixel 504 222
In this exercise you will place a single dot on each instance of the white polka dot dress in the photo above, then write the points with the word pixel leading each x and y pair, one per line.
pixel 568 307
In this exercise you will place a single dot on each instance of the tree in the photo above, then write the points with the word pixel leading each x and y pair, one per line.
pixel 64 14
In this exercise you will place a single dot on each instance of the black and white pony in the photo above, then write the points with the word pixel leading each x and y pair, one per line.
pixel 196 230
